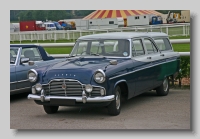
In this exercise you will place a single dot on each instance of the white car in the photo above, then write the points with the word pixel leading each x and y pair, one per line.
pixel 50 26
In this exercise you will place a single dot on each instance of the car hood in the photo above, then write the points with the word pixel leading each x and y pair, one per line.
pixel 81 69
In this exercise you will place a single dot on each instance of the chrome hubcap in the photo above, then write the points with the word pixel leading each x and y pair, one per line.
pixel 117 100
pixel 165 85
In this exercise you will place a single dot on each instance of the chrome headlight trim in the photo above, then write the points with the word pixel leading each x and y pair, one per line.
pixel 36 75
pixel 103 75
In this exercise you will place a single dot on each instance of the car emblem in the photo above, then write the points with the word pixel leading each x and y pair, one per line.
pixel 64 86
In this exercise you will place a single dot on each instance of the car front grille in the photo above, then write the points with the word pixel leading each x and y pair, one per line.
pixel 73 88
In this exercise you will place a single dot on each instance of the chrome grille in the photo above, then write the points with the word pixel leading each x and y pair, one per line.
pixel 73 88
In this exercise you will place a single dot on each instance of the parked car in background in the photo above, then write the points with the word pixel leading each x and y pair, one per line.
pixel 103 68
pixel 22 59
pixel 50 26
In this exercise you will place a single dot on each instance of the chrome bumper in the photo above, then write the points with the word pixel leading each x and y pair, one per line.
pixel 78 99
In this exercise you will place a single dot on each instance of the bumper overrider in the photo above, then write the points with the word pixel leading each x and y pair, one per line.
pixel 67 90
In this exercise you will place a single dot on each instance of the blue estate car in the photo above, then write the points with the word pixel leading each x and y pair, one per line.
pixel 22 59
pixel 103 68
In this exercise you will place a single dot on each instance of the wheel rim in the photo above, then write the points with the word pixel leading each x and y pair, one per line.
pixel 117 100
pixel 165 85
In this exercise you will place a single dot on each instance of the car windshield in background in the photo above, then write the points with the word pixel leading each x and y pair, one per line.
pixel 13 55
pixel 110 48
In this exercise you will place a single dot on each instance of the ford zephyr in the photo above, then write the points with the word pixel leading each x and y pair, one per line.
pixel 104 68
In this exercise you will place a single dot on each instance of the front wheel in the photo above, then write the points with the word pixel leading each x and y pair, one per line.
pixel 163 89
pixel 50 109
pixel 115 106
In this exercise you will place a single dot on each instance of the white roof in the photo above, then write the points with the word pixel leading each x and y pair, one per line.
pixel 124 35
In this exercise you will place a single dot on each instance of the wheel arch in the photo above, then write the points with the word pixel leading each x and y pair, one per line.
pixel 123 87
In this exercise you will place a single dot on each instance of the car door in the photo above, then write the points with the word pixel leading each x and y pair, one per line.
pixel 142 67
pixel 13 62
pixel 157 59
pixel 13 80
pixel 23 68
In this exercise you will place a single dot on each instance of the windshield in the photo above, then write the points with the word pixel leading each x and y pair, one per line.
pixel 52 25
pixel 111 48
pixel 13 55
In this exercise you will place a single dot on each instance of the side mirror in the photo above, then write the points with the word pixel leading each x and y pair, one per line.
pixel 24 60
pixel 30 63
pixel 113 62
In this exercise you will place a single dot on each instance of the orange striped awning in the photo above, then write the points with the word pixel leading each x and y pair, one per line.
pixel 119 13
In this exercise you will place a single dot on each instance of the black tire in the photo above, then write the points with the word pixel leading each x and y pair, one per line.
pixel 163 89
pixel 115 106
pixel 50 109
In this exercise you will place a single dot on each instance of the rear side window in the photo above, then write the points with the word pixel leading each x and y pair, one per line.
pixel 150 46
pixel 163 44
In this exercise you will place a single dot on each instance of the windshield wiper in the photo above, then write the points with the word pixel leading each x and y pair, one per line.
pixel 95 54
pixel 70 56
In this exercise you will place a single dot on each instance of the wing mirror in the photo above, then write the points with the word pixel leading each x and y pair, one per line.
pixel 24 60
pixel 30 63
pixel 113 62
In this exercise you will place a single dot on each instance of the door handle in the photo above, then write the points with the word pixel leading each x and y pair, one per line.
pixel 148 57
pixel 162 55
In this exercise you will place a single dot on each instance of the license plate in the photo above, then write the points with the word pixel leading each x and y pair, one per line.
pixel 61 102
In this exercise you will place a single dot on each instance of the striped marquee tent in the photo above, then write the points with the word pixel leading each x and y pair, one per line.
pixel 119 13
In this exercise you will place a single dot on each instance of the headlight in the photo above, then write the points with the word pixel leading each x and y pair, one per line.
pixel 32 75
pixel 88 88
pixel 38 87
pixel 99 76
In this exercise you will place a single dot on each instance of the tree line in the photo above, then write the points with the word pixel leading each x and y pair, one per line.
pixel 43 15
pixel 55 15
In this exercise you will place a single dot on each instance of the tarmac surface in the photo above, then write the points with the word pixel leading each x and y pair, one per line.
pixel 146 111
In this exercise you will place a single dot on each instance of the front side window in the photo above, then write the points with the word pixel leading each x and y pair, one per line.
pixel 31 53
pixel 13 55
pixel 137 48
pixel 163 44
pixel 150 46
pixel 112 48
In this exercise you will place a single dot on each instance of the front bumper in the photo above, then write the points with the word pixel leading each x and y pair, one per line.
pixel 77 99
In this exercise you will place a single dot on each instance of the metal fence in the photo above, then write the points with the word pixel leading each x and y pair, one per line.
pixel 181 29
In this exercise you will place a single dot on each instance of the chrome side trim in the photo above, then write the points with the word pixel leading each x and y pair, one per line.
pixel 78 99
pixel 19 89
pixel 140 69
pixel 19 81
pixel 13 82
pixel 23 81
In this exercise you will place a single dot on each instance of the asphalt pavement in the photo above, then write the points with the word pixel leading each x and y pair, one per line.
pixel 146 111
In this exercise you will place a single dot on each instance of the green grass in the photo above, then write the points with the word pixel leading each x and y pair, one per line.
pixel 179 37
pixel 59 50
pixel 181 47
